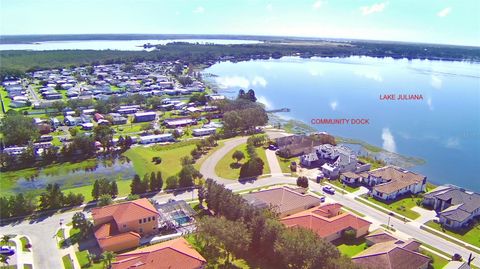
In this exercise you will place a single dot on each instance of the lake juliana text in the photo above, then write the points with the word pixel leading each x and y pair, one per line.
pixel 403 97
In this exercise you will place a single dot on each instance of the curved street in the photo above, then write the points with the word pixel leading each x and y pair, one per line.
pixel 47 255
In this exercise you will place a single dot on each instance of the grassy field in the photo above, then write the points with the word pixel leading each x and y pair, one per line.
pixel 350 249
pixel 401 206
pixel 123 189
pixel 141 158
pixel 202 159
pixel 67 262
pixel 82 257
pixel 285 163
pixel 471 236
pixel 228 168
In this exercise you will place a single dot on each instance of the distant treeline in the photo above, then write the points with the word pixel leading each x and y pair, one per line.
pixel 19 39
pixel 18 62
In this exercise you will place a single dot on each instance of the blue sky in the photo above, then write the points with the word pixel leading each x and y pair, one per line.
pixel 432 21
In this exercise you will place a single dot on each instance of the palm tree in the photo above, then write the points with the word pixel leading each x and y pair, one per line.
pixel 107 258
pixel 4 259
pixel 90 258
pixel 5 239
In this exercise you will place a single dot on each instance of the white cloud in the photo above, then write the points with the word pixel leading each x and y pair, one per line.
pixel 429 103
pixel 444 12
pixel 241 82
pixel 367 10
pixel 269 7
pixel 452 143
pixel 259 81
pixel 232 81
pixel 370 74
pixel 318 4
pixel 199 9
pixel 263 100
pixel 436 82
pixel 388 140
pixel 334 105
pixel 315 72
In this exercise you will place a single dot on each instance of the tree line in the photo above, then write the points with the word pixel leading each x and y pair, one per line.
pixel 238 229
pixel 15 63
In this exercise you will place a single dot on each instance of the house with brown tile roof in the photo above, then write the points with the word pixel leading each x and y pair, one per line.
pixel 173 254
pixel 120 226
pixel 389 182
pixel 328 221
pixel 284 200
pixel 379 236
pixel 393 254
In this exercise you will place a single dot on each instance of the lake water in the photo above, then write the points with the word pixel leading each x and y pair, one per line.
pixel 112 44
pixel 118 169
pixel 443 128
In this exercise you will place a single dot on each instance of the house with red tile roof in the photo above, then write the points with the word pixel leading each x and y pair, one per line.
pixel 283 200
pixel 328 221
pixel 120 226
pixel 393 254
pixel 173 254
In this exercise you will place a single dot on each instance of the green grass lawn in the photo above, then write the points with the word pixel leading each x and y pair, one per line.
pixel 352 248
pixel 123 189
pixel 141 158
pixel 60 237
pixel 67 262
pixel 82 257
pixel 202 159
pixel 24 241
pixel 27 266
pixel 437 261
pixel 342 186
pixel 401 206
pixel 374 164
pixel 285 163
pixel 228 168
pixel 471 236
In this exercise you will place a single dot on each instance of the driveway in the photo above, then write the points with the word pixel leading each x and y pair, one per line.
pixel 272 160
pixel 425 215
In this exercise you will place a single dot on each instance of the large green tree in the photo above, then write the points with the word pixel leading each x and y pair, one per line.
pixel 104 135
pixel 18 129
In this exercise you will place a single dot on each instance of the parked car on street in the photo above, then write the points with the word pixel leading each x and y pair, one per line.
pixel 6 250
pixel 329 190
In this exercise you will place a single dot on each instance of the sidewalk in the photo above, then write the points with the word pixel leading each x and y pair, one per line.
pixel 71 249
pixel 23 257
pixel 417 223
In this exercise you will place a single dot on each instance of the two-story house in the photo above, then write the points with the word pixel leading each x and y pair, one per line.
pixel 390 181
pixel 120 226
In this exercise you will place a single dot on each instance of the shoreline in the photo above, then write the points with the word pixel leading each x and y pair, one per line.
pixel 295 126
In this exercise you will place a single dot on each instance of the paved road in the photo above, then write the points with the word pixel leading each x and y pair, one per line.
pixel 42 233
pixel 47 255
pixel 408 228
pixel 208 167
